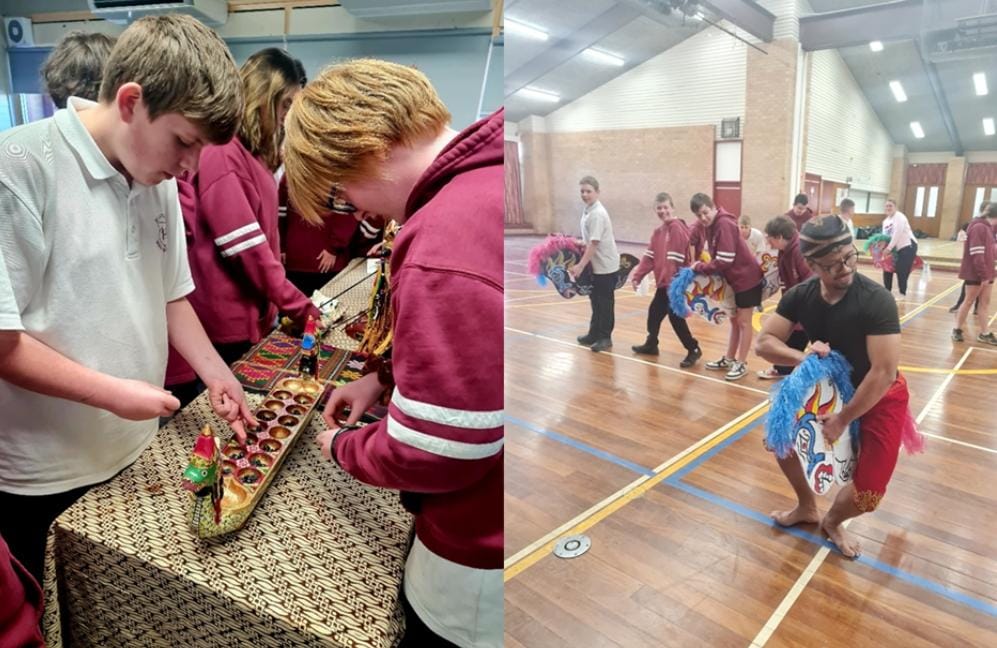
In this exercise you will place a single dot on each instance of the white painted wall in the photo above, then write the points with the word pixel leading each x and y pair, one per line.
pixel 699 81
pixel 845 138
pixel 305 21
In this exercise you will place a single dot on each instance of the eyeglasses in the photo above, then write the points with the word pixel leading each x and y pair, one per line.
pixel 850 260
pixel 337 204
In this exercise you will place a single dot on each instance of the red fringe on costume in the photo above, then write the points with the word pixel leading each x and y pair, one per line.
pixel 550 246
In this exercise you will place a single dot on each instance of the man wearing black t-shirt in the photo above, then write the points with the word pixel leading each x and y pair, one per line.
pixel 844 311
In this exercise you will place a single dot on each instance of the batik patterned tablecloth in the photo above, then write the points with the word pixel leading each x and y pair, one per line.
pixel 318 564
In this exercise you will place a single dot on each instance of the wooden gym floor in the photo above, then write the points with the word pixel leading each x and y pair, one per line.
pixel 664 470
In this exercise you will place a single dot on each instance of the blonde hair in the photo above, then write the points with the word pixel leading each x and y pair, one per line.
pixel 183 67
pixel 266 76
pixel 75 67
pixel 344 123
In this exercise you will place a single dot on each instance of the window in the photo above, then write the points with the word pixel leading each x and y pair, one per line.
pixel 932 201
pixel 980 197
pixel 919 203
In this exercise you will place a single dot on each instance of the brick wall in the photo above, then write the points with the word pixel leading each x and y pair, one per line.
pixel 768 131
pixel 631 167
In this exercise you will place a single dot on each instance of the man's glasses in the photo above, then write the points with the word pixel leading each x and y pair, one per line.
pixel 850 260
pixel 337 204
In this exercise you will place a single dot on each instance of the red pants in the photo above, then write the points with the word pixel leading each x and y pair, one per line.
pixel 881 431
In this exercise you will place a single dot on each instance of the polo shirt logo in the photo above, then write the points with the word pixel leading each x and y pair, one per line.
pixel 161 241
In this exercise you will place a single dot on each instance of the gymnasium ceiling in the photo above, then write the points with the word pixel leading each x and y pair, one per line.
pixel 940 90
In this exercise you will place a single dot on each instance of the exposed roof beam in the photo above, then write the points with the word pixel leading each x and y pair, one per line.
pixel 943 105
pixel 746 14
pixel 562 50
pixel 887 21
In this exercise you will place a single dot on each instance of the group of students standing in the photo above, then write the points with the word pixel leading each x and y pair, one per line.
pixel 733 247
pixel 140 246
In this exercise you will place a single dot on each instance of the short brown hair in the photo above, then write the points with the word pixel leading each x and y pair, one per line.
pixel 664 197
pixel 801 199
pixel 781 227
pixel 697 202
pixel 590 181
pixel 266 76
pixel 847 203
pixel 344 123
pixel 744 220
pixel 183 67
pixel 75 66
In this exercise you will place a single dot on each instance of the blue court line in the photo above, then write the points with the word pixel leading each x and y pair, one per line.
pixel 917 581
pixel 578 445
pixel 698 461
pixel 675 481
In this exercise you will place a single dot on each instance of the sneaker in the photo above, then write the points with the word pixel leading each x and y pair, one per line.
pixel 602 345
pixel 691 358
pixel 987 338
pixel 957 335
pixel 737 371
pixel 586 340
pixel 717 365
pixel 648 348
pixel 770 374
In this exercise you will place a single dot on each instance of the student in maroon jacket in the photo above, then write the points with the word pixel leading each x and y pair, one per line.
pixel 313 254
pixel 667 252
pixel 977 270
pixel 793 269
pixel 800 213
pixel 232 239
pixel 376 134
pixel 733 259
pixel 21 604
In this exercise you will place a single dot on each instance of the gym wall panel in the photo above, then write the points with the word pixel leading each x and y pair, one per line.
pixel 699 81
pixel 845 138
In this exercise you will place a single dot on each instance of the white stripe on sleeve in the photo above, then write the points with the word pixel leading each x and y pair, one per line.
pixel 245 245
pixel 473 419
pixel 236 233
pixel 441 447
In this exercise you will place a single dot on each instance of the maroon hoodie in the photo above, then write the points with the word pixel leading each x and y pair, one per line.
pixel 230 216
pixel 666 253
pixel 978 252
pixel 799 220
pixel 793 268
pixel 20 604
pixel 732 257
pixel 443 436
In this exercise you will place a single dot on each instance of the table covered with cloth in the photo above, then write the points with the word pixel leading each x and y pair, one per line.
pixel 319 563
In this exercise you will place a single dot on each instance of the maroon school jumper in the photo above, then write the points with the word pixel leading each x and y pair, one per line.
pixel 799 220
pixel 978 252
pixel 303 242
pixel 732 257
pixel 21 604
pixel 443 436
pixel 234 252
pixel 793 268
pixel 666 253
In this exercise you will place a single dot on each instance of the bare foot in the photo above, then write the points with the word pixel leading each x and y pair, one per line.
pixel 799 515
pixel 847 545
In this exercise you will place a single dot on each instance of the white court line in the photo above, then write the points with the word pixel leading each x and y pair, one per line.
pixel 794 593
pixel 521 274
pixel 688 374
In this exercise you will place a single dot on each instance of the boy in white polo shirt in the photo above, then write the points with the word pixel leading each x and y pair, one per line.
pixel 94 247
pixel 601 252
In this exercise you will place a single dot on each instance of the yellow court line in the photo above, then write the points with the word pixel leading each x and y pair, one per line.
pixel 529 556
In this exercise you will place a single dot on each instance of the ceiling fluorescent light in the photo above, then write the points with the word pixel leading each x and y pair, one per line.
pixel 525 30
pixel 876 46
pixel 540 95
pixel 988 125
pixel 604 57
pixel 915 127
pixel 898 91
pixel 980 81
